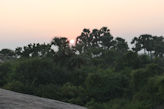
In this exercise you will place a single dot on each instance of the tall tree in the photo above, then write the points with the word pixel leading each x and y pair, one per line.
pixel 143 42
pixel 62 43
pixel 121 45
pixel 96 39
pixel 158 46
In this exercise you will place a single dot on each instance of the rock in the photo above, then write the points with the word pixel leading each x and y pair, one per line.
pixel 13 100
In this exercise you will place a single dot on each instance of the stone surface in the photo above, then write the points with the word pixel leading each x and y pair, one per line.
pixel 13 100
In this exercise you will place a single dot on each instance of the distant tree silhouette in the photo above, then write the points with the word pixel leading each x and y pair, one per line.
pixel 34 50
pixel 120 45
pixel 158 46
pixel 150 44
pixel 97 39
pixel 62 43
pixel 7 52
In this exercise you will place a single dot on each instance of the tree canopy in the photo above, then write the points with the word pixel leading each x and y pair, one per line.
pixel 100 71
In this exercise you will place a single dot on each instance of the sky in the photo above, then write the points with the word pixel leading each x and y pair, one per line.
pixel 30 21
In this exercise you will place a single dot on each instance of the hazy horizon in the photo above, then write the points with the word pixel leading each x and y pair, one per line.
pixel 28 21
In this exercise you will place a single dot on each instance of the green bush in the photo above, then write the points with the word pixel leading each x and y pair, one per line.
pixel 48 91
pixel 73 94
pixel 105 86
pixel 15 86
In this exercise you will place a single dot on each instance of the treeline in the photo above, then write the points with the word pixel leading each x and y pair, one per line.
pixel 99 71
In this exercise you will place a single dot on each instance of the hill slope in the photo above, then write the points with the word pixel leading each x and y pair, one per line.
pixel 13 100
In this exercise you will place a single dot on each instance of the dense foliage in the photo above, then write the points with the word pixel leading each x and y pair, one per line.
pixel 99 71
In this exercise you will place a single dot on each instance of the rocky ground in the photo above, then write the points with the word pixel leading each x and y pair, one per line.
pixel 13 100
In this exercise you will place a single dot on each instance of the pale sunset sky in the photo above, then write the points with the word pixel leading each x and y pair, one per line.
pixel 28 21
